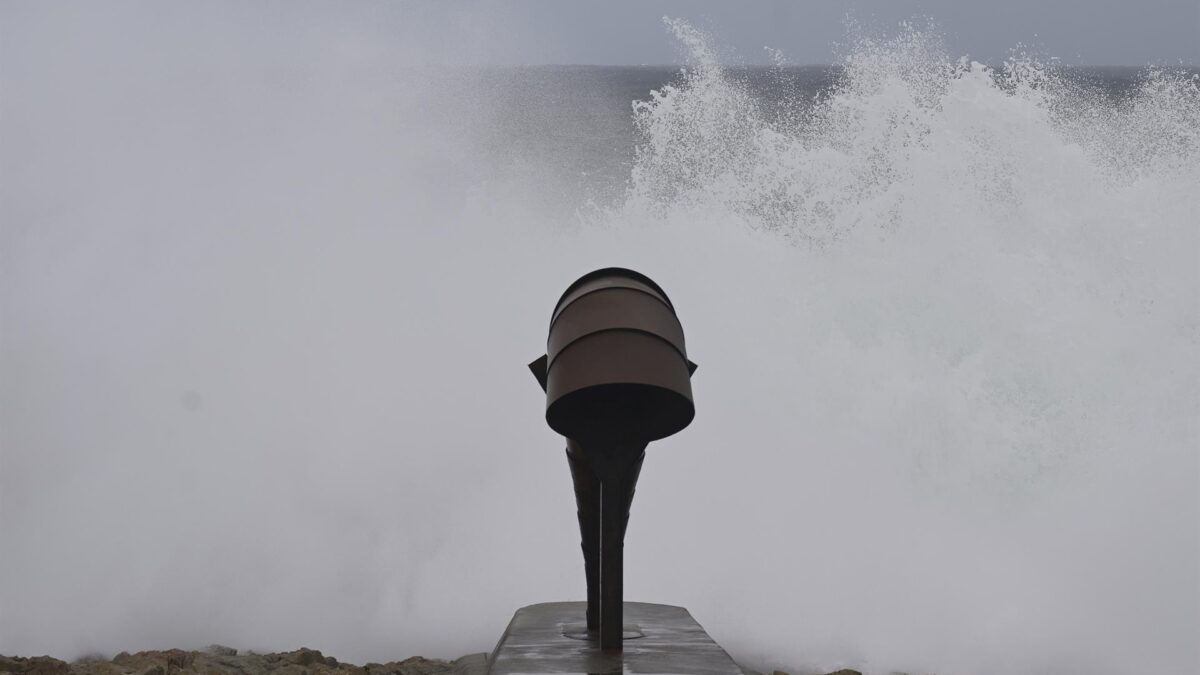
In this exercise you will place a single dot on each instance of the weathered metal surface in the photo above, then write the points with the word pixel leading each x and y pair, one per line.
pixel 538 640
pixel 608 277
pixel 587 496
pixel 618 385
pixel 616 365
pixel 615 309
pixel 616 377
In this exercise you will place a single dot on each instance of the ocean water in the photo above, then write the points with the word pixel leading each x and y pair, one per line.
pixel 266 327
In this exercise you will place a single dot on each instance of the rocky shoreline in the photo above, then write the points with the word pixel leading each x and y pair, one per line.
pixel 220 660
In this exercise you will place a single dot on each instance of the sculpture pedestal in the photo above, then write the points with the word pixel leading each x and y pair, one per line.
pixel 545 638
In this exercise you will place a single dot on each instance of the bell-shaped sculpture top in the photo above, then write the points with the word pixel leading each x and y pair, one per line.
pixel 616 368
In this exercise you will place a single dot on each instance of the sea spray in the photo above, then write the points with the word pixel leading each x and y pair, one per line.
pixel 985 332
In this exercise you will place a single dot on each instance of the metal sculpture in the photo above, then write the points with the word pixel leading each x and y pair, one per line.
pixel 616 377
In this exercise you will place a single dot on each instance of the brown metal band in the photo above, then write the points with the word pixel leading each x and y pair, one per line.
pixel 614 309
pixel 607 283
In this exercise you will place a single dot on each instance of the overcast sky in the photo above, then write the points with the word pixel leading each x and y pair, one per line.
pixel 1090 32
pixel 625 32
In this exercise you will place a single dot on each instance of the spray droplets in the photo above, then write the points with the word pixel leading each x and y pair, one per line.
pixel 903 117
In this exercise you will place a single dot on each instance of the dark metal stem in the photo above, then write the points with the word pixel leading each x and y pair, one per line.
pixel 587 504
pixel 612 557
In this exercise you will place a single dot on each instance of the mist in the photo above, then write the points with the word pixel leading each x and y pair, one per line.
pixel 269 282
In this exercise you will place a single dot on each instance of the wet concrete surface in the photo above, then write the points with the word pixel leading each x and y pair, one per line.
pixel 544 639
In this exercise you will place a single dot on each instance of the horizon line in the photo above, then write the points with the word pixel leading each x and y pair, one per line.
pixel 790 65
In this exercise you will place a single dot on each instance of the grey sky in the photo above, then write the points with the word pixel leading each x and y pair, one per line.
pixel 1091 32
pixel 1078 31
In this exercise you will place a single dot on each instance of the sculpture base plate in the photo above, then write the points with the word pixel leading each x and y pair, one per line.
pixel 671 642
pixel 579 631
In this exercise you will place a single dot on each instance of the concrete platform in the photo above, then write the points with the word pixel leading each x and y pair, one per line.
pixel 659 639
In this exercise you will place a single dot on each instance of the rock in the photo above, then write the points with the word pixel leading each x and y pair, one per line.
pixel 45 665
pixel 419 665
pixel 845 671
pixel 471 664
pixel 94 667
pixel 780 672
pixel 178 659
pixel 305 657
pixel 416 665
pixel 221 660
